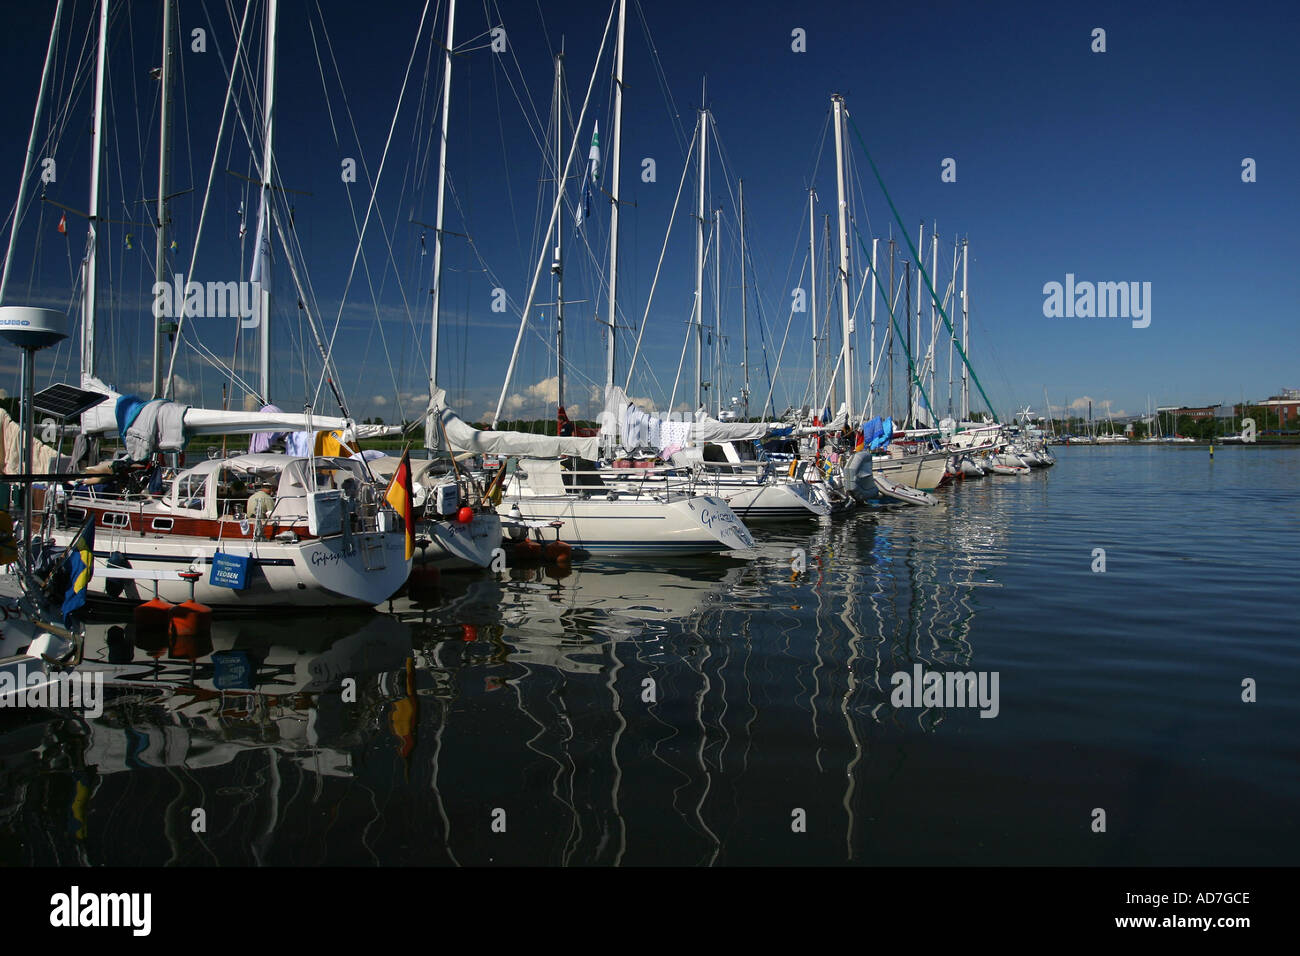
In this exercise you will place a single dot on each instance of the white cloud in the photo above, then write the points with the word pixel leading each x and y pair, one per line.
pixel 182 389
pixel 379 400
pixel 547 390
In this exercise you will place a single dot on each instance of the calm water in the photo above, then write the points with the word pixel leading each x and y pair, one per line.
pixel 699 712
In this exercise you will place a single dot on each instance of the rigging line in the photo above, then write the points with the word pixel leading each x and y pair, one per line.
pixel 505 158
pixel 533 118
pixel 662 253
pixel 536 115
pixel 771 386
pixel 30 153
pixel 185 114
pixel 385 232
pixel 546 34
pixel 911 365
pixel 686 341
pixel 523 319
pixel 661 76
pixel 352 211
pixel 919 265
pixel 374 192
pixel 207 193
pixel 64 96
pixel 62 116
pixel 414 170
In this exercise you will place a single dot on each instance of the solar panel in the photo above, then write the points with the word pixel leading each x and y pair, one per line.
pixel 64 401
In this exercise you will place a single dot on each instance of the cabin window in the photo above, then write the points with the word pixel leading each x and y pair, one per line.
pixel 191 492
pixel 115 519
pixel 233 490
pixel 162 524
pixel 716 454
pixel 579 473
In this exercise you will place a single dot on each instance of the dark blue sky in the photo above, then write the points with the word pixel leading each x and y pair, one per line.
pixel 1115 166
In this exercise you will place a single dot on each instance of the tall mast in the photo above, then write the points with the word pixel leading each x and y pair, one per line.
pixel 614 196
pixel 812 299
pixel 262 255
pixel 845 318
pixel 699 260
pixel 744 308
pixel 164 326
pixel 557 266
pixel 717 312
pixel 890 331
pixel 826 284
pixel 965 334
pixel 431 437
pixel 907 321
pixel 871 356
pixel 97 157
pixel 934 316
pixel 914 412
pixel 30 160
pixel 952 337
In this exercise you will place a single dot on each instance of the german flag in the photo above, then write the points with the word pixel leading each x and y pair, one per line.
pixel 399 496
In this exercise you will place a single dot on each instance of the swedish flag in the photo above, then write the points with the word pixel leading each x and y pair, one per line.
pixel 81 565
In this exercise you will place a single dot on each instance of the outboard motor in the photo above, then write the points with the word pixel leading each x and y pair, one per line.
pixel 447 498
pixel 857 476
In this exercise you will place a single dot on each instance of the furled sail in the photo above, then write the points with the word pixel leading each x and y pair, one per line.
pixel 463 437
pixel 636 427
pixel 205 421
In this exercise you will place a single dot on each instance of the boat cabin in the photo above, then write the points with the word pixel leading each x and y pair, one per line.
pixel 220 488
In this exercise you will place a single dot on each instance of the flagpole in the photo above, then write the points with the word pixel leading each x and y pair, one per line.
pixel 405 449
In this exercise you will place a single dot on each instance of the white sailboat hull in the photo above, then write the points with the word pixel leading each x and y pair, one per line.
pixel 460 547
pixel 322 572
pixel 923 472
pixel 646 525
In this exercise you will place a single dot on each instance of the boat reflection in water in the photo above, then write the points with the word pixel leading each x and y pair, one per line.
pixel 593 715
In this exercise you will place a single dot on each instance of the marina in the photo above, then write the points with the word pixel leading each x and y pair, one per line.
pixel 522 441
pixel 527 692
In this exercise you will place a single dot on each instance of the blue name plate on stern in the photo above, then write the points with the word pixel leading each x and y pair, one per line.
pixel 229 571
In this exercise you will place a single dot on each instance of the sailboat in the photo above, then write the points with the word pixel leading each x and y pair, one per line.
pixel 327 539
pixel 599 516
pixel 454 543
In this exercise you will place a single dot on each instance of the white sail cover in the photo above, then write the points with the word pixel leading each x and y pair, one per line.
pixel 463 437
pixel 635 426
pixel 710 429
pixel 206 421
pixel 841 419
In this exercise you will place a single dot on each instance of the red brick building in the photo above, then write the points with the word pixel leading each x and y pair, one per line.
pixel 1286 406
pixel 1207 411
